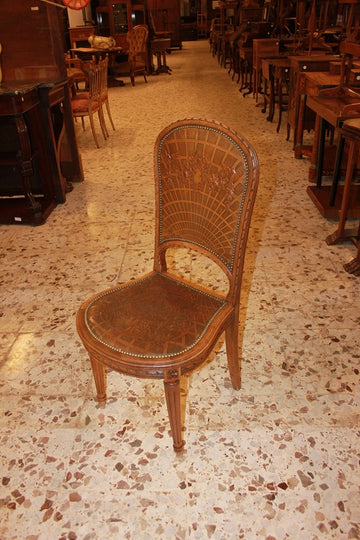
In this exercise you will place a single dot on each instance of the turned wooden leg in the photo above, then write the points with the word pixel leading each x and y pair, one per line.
pixel 99 373
pixel 172 394
pixel 232 351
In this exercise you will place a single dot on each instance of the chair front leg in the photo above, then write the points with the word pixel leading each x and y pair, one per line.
pixel 232 350
pixel 172 394
pixel 99 373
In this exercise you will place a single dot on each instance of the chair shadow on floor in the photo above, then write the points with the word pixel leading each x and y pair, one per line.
pixel 164 325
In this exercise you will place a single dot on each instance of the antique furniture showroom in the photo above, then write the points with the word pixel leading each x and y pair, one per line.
pixel 180 254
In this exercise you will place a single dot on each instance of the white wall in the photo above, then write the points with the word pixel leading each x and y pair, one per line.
pixel 76 16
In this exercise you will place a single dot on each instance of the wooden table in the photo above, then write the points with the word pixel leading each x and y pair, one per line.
pixel 38 152
pixel 276 72
pixel 300 65
pixel 310 84
pixel 158 48
pixel 334 111
pixel 351 132
pixel 262 48
pixel 89 53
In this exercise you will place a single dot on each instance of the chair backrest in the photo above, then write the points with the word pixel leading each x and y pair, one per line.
pixel 137 40
pixel 206 181
pixel 95 71
pixel 103 64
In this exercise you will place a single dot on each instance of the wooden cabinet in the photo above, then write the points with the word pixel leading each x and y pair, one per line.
pixel 114 19
pixel 28 192
pixel 39 156
pixel 166 18
pixel 79 35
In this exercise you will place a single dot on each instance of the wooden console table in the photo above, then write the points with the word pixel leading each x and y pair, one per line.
pixel 158 48
pixel 38 152
pixel 310 85
pixel 334 111
pixel 300 65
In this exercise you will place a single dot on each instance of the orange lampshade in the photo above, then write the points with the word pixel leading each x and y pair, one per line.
pixel 76 4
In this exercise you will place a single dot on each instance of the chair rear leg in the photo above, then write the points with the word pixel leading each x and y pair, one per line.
pixel 102 123
pixel 172 394
pixel 232 351
pixel 109 114
pixel 93 130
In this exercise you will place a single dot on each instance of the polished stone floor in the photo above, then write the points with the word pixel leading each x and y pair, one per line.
pixel 278 459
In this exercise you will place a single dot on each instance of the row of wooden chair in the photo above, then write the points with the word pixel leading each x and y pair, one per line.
pixel 93 74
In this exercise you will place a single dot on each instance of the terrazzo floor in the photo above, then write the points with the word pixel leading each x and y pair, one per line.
pixel 278 459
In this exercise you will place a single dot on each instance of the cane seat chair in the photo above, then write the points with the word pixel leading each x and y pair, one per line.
pixel 161 325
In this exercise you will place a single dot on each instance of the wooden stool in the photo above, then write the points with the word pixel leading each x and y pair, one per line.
pixel 350 132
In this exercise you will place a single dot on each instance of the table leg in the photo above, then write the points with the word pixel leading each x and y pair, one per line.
pixel 339 235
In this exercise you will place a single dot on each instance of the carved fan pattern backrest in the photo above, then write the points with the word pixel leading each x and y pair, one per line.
pixel 207 177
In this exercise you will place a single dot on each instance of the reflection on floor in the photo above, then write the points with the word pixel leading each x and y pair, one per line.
pixel 277 459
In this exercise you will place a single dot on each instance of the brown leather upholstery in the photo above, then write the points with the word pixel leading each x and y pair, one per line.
pixel 137 63
pixel 161 325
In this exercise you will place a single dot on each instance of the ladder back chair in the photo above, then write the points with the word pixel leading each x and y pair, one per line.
pixel 88 103
pixel 161 325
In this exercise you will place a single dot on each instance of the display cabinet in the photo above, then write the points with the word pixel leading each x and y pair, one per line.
pixel 39 156
pixel 165 15
pixel 114 19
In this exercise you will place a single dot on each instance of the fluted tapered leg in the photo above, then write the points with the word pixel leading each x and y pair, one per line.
pixel 99 373
pixel 172 394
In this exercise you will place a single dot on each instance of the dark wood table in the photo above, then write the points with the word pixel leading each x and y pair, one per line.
pixel 158 48
pixel 89 53
pixel 35 172
pixel 333 111
pixel 276 73
pixel 310 85
pixel 302 64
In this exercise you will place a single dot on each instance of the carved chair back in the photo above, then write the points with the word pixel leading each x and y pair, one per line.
pixel 137 40
pixel 161 325
pixel 205 191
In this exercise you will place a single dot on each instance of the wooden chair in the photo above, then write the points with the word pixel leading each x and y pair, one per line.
pixel 88 103
pixel 76 72
pixel 161 325
pixel 137 63
pixel 104 63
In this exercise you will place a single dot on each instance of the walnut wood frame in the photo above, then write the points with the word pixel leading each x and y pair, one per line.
pixel 206 179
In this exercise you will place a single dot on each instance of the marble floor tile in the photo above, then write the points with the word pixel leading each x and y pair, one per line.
pixel 278 459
